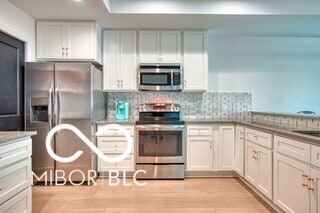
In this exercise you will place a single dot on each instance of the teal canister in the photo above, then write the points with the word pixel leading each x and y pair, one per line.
pixel 122 110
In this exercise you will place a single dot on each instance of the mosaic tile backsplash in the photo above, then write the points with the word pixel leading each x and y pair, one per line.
pixel 292 121
pixel 208 105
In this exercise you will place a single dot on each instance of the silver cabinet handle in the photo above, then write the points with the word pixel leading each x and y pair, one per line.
pixel 50 101
pixel 121 83
pixel 67 52
pixel 63 51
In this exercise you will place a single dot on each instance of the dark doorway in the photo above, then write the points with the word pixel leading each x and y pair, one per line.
pixel 11 83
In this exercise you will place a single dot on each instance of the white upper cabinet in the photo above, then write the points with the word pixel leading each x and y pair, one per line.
pixel 170 46
pixel 51 39
pixel 149 46
pixel 119 59
pixel 159 46
pixel 68 41
pixel 195 60
pixel 81 39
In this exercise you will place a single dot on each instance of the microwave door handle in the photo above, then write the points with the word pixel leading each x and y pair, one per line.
pixel 50 106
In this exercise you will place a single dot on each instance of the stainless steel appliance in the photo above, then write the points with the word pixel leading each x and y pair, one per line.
pixel 167 77
pixel 63 93
pixel 160 142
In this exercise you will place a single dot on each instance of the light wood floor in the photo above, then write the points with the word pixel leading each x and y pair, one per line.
pixel 215 195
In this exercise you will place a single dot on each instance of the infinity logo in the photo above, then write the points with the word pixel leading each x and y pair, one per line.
pixel 85 140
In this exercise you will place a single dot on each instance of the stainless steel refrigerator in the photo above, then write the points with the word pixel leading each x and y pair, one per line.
pixel 63 93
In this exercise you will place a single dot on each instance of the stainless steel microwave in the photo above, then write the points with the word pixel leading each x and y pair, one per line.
pixel 160 77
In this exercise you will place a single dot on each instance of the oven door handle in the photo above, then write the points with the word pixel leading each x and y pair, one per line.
pixel 160 128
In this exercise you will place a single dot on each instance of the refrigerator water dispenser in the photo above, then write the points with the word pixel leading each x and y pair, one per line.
pixel 39 110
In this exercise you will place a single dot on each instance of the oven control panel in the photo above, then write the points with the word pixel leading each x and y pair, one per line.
pixel 159 107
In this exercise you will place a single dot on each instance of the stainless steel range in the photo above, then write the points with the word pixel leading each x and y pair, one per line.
pixel 160 142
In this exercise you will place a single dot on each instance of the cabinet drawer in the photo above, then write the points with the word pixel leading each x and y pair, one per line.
pixel 114 144
pixel 14 178
pixel 292 148
pixel 126 165
pixel 315 156
pixel 115 132
pixel 14 151
pixel 20 203
pixel 199 130
pixel 258 137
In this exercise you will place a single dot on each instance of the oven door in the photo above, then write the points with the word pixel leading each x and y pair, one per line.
pixel 160 144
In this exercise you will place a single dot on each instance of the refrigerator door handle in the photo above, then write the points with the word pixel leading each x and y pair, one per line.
pixel 57 108
pixel 50 106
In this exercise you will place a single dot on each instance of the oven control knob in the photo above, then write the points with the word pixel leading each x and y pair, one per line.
pixel 174 108
pixel 142 107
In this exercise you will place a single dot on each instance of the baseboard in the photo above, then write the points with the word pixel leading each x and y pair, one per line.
pixel 106 174
pixel 261 196
pixel 210 174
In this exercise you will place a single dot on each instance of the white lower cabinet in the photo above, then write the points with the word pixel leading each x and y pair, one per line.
pixel 15 176
pixel 258 167
pixel 199 153
pixel 251 163
pixel 226 148
pixel 199 147
pixel 112 143
pixel 314 190
pixel 22 202
pixel 239 151
pixel 296 176
pixel 291 192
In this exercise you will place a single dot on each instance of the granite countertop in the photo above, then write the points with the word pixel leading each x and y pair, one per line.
pixel 114 121
pixel 6 136
pixel 269 127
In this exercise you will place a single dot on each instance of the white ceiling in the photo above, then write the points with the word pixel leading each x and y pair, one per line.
pixel 244 17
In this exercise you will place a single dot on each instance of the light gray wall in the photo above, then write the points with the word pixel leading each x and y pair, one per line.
pixel 283 73
pixel 20 25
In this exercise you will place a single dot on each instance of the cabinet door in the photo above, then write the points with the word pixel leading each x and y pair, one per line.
pixel 195 61
pixel 80 40
pixel 170 46
pixel 149 46
pixel 251 163
pixel 128 65
pixel 111 60
pixel 126 164
pixel 51 40
pixel 289 192
pixel 265 171
pixel 239 151
pixel 314 190
pixel 21 202
pixel 199 153
pixel 226 148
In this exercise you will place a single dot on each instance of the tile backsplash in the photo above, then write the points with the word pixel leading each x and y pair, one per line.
pixel 292 121
pixel 208 105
